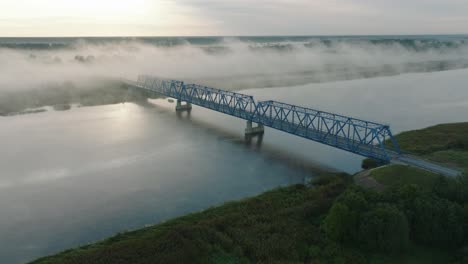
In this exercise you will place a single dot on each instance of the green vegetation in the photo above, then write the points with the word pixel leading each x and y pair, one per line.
pixel 395 175
pixel 458 158
pixel 389 221
pixel 370 163
pixel 446 143
pixel 333 222
pixel 61 95
pixel 418 255
pixel 435 206
pixel 280 226
pixel 433 139
pixel 418 217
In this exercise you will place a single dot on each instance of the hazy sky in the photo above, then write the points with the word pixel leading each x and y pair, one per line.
pixel 230 17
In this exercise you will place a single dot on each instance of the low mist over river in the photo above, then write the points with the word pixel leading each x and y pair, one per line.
pixel 226 62
pixel 73 177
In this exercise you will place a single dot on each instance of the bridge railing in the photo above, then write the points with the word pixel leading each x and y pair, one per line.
pixel 347 133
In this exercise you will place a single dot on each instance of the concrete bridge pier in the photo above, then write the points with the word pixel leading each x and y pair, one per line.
pixel 251 131
pixel 183 107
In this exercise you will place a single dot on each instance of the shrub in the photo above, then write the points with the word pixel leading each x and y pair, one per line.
pixel 448 188
pixel 370 164
pixel 339 223
pixel 355 199
pixel 462 254
pixel 465 223
pixel 463 187
pixel 437 221
pixel 384 228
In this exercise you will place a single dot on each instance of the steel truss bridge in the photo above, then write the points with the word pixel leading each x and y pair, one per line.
pixel 365 138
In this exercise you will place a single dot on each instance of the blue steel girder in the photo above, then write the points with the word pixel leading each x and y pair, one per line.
pixel 351 134
pixel 354 135
pixel 231 103
pixel 170 88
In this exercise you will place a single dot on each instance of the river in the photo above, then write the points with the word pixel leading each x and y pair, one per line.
pixel 74 177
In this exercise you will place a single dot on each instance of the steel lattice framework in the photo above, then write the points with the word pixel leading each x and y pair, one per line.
pixel 354 135
pixel 231 103
pixel 351 134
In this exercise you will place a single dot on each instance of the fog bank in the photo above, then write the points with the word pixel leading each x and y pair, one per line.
pixel 229 63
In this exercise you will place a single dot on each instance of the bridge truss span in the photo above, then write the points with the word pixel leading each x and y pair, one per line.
pixel 354 135
pixel 231 103
pixel 170 88
pixel 227 102
pixel 358 136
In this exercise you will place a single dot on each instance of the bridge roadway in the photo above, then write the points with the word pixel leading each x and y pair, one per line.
pixel 358 136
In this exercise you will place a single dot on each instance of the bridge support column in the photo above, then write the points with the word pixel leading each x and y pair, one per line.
pixel 183 107
pixel 251 131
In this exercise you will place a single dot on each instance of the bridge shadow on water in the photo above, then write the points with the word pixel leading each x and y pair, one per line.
pixel 307 168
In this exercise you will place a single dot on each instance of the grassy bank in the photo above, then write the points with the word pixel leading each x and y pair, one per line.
pixel 435 139
pixel 446 144
pixel 419 217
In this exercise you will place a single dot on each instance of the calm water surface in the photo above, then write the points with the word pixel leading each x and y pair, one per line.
pixel 74 177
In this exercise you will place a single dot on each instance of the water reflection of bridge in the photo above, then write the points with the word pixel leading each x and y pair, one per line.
pixel 365 138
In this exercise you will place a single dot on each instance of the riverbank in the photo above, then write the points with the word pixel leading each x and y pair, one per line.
pixel 417 217
pixel 61 96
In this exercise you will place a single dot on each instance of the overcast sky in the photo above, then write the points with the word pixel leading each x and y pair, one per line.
pixel 231 17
